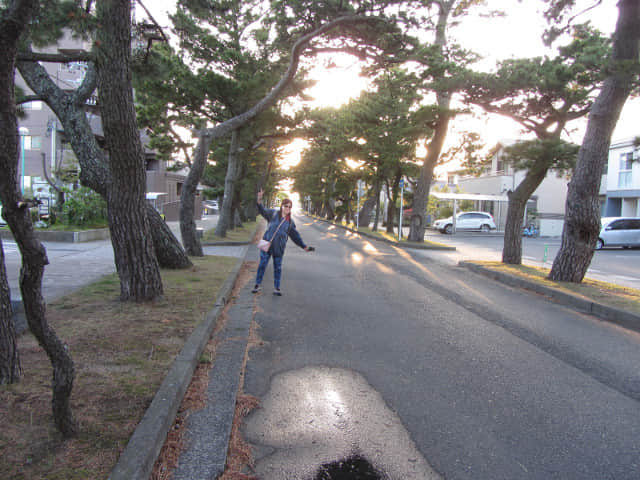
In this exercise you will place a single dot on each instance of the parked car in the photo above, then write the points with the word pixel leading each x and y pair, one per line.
pixel 619 232
pixel 210 206
pixel 481 221
pixel 2 222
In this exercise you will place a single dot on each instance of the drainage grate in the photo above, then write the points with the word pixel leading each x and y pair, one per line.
pixel 352 468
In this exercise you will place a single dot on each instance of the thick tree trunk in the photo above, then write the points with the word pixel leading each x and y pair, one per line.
pixel 94 171
pixel 582 215
pixel 188 230
pixel 364 215
pixel 134 254
pixel 17 214
pixel 418 221
pixel 391 206
pixel 233 167
pixel 512 249
pixel 9 358
pixel 237 207
pixel 376 193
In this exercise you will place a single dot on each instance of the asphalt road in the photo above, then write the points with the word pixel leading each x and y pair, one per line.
pixel 427 369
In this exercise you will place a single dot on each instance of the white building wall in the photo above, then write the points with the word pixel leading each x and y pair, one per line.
pixel 623 186
pixel 552 194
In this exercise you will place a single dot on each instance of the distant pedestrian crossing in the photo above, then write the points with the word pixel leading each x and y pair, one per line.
pixel 9 247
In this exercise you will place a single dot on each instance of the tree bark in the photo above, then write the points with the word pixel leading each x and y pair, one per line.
pixel 582 215
pixel 225 220
pixel 512 249
pixel 135 258
pixel 94 171
pixel 418 222
pixel 9 358
pixel 188 231
pixel 376 194
pixel 364 215
pixel 16 212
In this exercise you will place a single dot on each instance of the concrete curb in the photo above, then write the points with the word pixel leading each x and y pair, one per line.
pixel 224 244
pixel 139 456
pixel 66 237
pixel 623 318
pixel 415 246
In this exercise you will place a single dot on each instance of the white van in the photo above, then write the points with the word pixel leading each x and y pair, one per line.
pixel 619 232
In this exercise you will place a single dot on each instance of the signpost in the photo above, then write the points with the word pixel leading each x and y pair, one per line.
pixel 23 131
pixel 401 200
pixel 359 183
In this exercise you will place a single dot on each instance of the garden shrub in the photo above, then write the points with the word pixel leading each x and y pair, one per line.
pixel 83 207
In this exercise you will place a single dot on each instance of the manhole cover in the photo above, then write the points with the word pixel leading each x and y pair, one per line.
pixel 352 468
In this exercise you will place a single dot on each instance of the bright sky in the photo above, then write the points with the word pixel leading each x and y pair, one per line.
pixel 517 35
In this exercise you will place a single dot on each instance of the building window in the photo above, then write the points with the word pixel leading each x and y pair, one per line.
pixel 35 105
pixel 153 165
pixel 32 142
pixel 624 173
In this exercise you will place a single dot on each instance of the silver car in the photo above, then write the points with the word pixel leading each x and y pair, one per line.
pixel 482 221
pixel 619 232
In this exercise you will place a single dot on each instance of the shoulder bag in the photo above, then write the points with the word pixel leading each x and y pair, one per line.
pixel 265 245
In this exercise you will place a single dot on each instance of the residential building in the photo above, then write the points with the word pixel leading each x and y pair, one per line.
pixel 43 144
pixel 545 207
pixel 620 191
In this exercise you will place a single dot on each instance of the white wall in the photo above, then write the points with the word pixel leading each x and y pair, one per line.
pixel 617 149
pixel 551 228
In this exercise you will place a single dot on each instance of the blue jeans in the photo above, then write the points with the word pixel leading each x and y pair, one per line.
pixel 277 269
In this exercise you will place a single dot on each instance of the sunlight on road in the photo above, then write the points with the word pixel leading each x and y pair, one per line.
pixel 369 248
pixel 356 258
pixel 318 415
pixel 384 268
pixel 401 252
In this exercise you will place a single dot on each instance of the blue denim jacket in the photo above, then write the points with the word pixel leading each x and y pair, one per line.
pixel 288 229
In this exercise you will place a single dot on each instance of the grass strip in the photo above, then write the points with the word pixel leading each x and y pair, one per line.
pixel 609 294
pixel 121 351
pixel 238 234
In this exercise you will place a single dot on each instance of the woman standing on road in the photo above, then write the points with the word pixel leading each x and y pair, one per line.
pixel 281 226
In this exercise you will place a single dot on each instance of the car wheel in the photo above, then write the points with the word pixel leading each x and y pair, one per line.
pixel 448 229
pixel 599 244
pixel 485 228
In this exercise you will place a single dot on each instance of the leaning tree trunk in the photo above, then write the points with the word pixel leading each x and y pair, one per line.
pixel 134 254
pixel 225 128
pixel 9 358
pixel 225 220
pixel 94 172
pixel 418 221
pixel 512 249
pixel 188 230
pixel 16 212
pixel 582 216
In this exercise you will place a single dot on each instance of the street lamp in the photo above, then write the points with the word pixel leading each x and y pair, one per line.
pixel 23 131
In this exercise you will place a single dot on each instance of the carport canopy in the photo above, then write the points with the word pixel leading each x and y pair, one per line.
pixel 466 196
pixel 469 196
